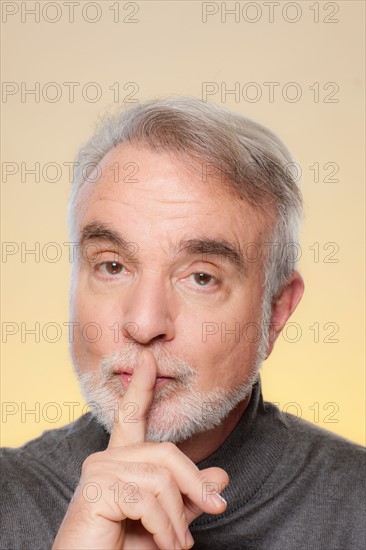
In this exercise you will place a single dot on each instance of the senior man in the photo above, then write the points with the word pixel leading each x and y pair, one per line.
pixel 183 213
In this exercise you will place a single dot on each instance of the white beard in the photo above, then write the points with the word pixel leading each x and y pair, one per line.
pixel 178 411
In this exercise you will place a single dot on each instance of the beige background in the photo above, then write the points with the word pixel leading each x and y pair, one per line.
pixel 170 50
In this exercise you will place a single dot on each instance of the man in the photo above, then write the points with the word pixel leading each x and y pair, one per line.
pixel 183 214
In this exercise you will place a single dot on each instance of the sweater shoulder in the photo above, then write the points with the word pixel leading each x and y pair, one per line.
pixel 326 454
pixel 329 442
pixel 36 486
pixel 45 453
pixel 307 432
pixel 45 442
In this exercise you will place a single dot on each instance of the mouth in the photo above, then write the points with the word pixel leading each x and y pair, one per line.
pixel 126 375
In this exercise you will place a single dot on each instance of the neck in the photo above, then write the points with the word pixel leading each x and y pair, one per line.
pixel 202 445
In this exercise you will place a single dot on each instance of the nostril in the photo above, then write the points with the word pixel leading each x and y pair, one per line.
pixel 159 338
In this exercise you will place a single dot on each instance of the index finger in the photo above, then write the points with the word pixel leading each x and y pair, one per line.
pixel 134 406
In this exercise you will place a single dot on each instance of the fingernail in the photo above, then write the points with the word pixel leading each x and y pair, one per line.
pixel 189 539
pixel 217 500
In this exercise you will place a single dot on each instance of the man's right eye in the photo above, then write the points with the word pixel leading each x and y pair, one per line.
pixel 110 268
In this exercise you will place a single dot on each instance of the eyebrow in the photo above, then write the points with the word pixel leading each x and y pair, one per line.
pixel 216 247
pixel 97 231
pixel 204 246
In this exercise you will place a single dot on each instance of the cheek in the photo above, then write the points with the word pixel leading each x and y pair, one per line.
pixel 97 329
pixel 225 361
pixel 227 347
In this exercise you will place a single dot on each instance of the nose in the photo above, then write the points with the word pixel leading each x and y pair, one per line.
pixel 147 311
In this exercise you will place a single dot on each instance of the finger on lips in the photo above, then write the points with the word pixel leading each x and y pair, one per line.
pixel 131 429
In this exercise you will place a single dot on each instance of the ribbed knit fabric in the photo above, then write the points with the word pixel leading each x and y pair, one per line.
pixel 294 486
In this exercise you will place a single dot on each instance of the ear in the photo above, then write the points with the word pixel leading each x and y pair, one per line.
pixel 283 305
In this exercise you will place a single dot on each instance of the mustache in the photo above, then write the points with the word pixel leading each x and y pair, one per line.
pixel 168 365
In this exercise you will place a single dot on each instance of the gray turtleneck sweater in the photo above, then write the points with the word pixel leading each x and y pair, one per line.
pixel 294 486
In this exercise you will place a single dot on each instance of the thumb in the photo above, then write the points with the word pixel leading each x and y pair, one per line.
pixel 214 482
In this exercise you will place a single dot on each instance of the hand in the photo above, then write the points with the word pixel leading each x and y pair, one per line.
pixel 149 492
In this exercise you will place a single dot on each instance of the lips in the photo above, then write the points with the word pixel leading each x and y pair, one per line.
pixel 126 375
pixel 129 373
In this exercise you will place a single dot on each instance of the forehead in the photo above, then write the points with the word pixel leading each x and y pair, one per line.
pixel 138 187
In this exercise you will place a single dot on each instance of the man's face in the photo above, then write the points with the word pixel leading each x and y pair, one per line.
pixel 194 307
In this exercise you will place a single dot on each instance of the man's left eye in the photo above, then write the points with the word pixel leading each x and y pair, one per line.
pixel 203 278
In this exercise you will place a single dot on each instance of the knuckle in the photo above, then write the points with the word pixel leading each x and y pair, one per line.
pixel 147 469
pixel 168 447
pixel 203 481
pixel 148 501
pixel 183 517
pixel 166 478
pixel 90 460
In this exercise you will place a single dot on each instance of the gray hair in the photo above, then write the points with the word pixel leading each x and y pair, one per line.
pixel 247 156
